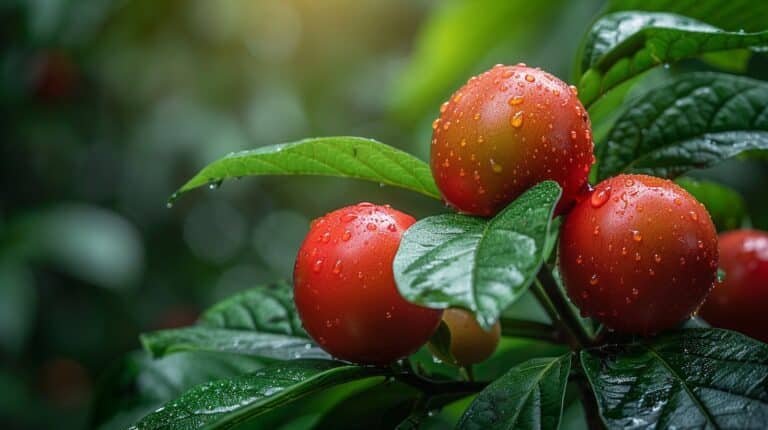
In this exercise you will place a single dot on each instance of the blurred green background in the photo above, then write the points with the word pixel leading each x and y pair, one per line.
pixel 108 106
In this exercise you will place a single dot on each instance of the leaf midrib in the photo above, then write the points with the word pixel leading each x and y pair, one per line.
pixel 529 391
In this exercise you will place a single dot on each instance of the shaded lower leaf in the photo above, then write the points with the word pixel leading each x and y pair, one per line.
pixel 266 345
pixel 267 308
pixel 622 45
pixel 225 403
pixel 468 262
pixel 528 396
pixel 693 378
pixel 343 156
pixel 692 122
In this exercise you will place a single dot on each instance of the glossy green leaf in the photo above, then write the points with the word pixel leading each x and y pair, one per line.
pixel 477 264
pixel 622 45
pixel 137 384
pixel 261 322
pixel 267 309
pixel 735 15
pixel 694 121
pixel 226 403
pixel 266 345
pixel 528 396
pixel 694 378
pixel 347 157
pixel 726 207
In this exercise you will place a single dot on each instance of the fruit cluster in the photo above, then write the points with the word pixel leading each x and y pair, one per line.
pixel 637 253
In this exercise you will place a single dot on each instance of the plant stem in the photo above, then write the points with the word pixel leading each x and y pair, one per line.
pixel 513 327
pixel 589 403
pixel 560 310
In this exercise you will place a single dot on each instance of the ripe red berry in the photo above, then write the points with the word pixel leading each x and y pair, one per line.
pixel 345 289
pixel 639 254
pixel 470 344
pixel 505 131
pixel 740 302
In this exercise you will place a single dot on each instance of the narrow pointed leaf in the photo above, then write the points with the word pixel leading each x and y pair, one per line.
pixel 693 378
pixel 347 157
pixel 226 403
pixel 528 396
pixel 473 263
pixel 266 345
pixel 694 121
pixel 622 45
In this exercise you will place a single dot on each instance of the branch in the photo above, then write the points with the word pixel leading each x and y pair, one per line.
pixel 513 327
pixel 561 312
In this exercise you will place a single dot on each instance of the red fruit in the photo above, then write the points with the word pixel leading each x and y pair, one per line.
pixel 639 254
pixel 505 131
pixel 740 302
pixel 345 290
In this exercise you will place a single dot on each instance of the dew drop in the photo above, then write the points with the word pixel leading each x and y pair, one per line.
pixel 443 107
pixel 700 244
pixel 447 125
pixel 638 257
pixel 346 235
pixel 594 280
pixel 651 272
pixel 574 90
pixel 693 215
pixel 496 167
pixel 517 119
pixel 326 237
pixel 318 266
pixel 629 182
pixel 337 267
pixel 657 258
pixel 579 259
pixel 677 201
pixel 623 250
pixel 463 143
pixel 682 261
pixel 348 217
pixel 392 228
pixel 596 230
pixel 435 124
pixel 636 236
pixel 635 291
pixel 599 197
pixel 476 116
pixel 529 78
pixel 585 294
pixel 370 226
pixel 516 100
pixel 388 315
pixel 574 135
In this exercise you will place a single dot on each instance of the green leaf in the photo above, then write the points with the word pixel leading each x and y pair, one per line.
pixel 137 385
pixel 476 264
pixel 440 344
pixel 266 345
pixel 726 206
pixel 735 15
pixel 529 396
pixel 347 157
pixel 226 403
pixel 266 309
pixel 261 322
pixel 622 45
pixel 695 378
pixel 694 121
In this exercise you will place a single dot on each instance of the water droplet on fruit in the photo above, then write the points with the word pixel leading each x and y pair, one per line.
pixel 346 235
pixel 436 124
pixel 635 291
pixel 463 143
pixel 574 90
pixel 700 244
pixel 516 100
pixel 599 197
pixel 585 294
pixel 348 217
pixel 693 215
pixel 574 135
pixel 480 139
pixel 657 258
pixel 638 257
pixel 496 167
pixel 594 280
pixel 623 250
pixel 636 236
pixel 443 107
pixel 677 201
pixel 476 116
pixel 388 315
pixel 579 259
pixel 529 78
pixel 651 272
pixel 326 237
pixel 392 228
pixel 318 266
pixel 682 261
pixel 596 230
pixel 337 267
pixel 371 226
pixel 447 125
pixel 360 275
pixel 517 119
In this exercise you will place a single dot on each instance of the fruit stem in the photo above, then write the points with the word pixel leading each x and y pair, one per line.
pixel 562 313
pixel 513 327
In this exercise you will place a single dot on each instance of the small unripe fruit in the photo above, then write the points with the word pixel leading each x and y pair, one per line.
pixel 505 131
pixel 345 290
pixel 638 254
pixel 470 344
pixel 740 302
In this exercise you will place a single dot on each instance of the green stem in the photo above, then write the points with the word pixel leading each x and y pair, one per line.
pixel 513 327
pixel 588 401
pixel 561 312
